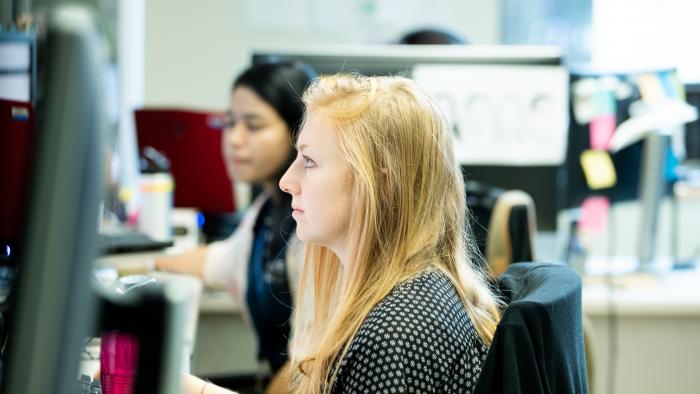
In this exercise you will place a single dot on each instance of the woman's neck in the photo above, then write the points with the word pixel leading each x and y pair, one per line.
pixel 343 250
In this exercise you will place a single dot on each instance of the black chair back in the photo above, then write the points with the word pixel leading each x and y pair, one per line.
pixel 538 345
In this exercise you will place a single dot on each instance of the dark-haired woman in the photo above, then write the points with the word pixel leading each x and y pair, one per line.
pixel 260 263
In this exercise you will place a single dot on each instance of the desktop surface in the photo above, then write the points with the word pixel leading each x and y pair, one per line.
pixel 644 331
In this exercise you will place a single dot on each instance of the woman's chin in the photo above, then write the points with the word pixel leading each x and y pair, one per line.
pixel 300 234
pixel 241 175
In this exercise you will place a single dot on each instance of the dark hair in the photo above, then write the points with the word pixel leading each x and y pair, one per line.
pixel 281 85
pixel 432 36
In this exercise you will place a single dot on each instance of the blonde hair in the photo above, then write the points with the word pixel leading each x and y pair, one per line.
pixel 409 215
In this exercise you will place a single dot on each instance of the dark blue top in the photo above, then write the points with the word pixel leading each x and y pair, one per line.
pixel 268 295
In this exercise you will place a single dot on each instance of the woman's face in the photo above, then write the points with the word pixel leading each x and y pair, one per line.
pixel 320 182
pixel 256 143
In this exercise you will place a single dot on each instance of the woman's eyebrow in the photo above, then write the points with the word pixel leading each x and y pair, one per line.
pixel 252 116
pixel 300 147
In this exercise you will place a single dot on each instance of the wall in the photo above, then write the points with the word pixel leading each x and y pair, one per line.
pixel 193 49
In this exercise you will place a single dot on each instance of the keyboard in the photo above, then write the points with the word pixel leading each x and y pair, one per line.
pixel 89 385
pixel 129 242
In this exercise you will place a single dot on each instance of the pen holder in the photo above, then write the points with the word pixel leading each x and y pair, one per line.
pixel 119 353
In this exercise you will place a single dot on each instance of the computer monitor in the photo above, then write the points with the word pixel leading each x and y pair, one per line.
pixel 193 148
pixel 16 146
pixel 536 178
pixel 401 59
pixel 692 130
pixel 52 305
pixel 53 300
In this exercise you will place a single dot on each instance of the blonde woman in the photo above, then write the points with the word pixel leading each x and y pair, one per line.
pixel 389 299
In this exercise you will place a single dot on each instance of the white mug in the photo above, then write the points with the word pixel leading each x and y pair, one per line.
pixel 156 204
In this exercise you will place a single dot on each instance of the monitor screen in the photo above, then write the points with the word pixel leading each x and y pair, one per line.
pixel 692 130
pixel 51 305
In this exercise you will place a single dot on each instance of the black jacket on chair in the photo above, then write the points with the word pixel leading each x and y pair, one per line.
pixel 538 345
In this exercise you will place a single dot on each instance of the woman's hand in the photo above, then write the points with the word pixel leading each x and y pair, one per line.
pixel 194 385
pixel 191 262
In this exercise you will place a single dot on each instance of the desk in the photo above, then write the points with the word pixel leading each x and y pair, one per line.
pixel 225 343
pixel 655 329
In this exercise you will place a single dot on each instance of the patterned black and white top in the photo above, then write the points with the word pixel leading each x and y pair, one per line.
pixel 419 339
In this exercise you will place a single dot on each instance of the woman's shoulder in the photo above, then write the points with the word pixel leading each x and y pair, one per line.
pixel 419 336
pixel 426 304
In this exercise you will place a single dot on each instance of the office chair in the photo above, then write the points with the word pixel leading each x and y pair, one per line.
pixel 538 345
pixel 511 231
pixel 588 341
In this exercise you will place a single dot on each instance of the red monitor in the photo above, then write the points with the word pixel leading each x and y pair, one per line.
pixel 194 150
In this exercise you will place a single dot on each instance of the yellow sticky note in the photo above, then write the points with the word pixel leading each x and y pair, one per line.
pixel 650 88
pixel 598 169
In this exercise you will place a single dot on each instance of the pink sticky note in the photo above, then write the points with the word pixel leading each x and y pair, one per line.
pixel 594 214
pixel 601 131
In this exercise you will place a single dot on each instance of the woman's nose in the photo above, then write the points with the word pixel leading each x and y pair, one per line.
pixel 287 182
pixel 235 135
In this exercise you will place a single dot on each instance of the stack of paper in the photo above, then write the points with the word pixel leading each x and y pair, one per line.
pixel 15 69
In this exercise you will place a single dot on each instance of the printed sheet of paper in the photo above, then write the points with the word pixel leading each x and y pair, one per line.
pixel 502 115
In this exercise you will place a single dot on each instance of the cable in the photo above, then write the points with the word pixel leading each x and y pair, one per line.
pixel 612 312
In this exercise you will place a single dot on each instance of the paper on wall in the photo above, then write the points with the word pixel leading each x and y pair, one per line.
pixel 502 115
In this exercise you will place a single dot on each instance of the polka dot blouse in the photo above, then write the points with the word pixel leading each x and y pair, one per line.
pixel 419 339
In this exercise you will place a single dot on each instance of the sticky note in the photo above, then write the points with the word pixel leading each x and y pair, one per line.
pixel 585 109
pixel 605 102
pixel 594 213
pixel 585 87
pixel 650 88
pixel 623 90
pixel 592 99
pixel 584 99
pixel 666 84
pixel 680 88
pixel 601 131
pixel 598 169
pixel 671 85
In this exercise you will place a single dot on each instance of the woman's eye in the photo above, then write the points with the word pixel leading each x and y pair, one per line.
pixel 308 163
pixel 227 123
pixel 254 127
